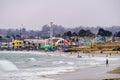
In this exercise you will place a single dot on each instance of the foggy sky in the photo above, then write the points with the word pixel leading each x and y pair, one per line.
pixel 33 14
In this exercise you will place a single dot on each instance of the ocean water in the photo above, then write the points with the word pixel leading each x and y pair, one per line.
pixel 31 65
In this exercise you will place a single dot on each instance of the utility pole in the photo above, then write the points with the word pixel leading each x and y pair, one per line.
pixel 51 33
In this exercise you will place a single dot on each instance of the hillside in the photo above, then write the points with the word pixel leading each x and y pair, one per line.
pixel 110 46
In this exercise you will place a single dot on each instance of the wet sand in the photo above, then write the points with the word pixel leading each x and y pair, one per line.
pixel 93 73
pixel 96 73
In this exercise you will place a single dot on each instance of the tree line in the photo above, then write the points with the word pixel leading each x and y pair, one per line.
pixel 60 31
pixel 88 33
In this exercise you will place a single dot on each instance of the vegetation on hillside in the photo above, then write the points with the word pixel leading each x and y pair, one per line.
pixel 108 46
pixel 59 30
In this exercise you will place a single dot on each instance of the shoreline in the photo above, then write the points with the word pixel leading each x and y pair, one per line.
pixel 84 52
pixel 91 73
pixel 100 72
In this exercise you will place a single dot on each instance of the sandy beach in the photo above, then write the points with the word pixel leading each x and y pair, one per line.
pixel 93 73
pixel 98 73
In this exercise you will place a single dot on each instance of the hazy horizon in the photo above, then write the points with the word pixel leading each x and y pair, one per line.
pixel 33 14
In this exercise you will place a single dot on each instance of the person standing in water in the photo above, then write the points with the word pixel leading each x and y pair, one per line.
pixel 79 56
pixel 107 62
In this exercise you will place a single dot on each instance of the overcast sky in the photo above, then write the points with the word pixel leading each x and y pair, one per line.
pixel 33 14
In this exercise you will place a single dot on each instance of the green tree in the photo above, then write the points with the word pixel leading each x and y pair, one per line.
pixel 101 32
pixel 87 33
pixel 8 37
pixel 74 34
pixel 18 36
pixel 69 34
pixel 104 33
pixel 0 37
pixel 82 33
pixel 13 36
pixel 117 34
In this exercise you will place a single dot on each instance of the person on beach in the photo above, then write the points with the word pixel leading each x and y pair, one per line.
pixel 110 54
pixel 106 55
pixel 79 56
pixel 92 55
pixel 107 62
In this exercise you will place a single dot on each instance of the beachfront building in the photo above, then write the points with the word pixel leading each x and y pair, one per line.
pixel 18 44
pixel 41 42
pixel 5 44
pixel 116 39
pixel 84 41
pixel 58 41
pixel 101 39
pixel 89 41
pixel 35 43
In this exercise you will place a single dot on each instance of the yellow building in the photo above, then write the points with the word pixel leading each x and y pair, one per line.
pixel 18 43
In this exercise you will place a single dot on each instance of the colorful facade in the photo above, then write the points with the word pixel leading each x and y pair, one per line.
pixel 18 44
